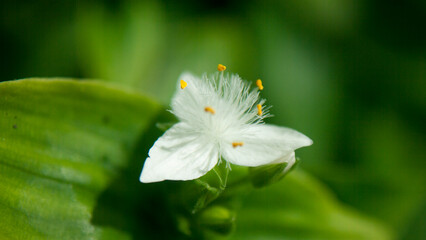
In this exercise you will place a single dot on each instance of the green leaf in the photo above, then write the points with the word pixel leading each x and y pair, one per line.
pixel 300 207
pixel 61 144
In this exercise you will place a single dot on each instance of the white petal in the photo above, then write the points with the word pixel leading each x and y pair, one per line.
pixel 180 154
pixel 262 144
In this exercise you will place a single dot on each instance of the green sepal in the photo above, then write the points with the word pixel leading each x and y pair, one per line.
pixel 268 174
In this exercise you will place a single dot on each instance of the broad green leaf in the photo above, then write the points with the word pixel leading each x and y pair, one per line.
pixel 61 143
pixel 300 207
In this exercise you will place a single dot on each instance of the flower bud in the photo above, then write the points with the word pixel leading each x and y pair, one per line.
pixel 218 219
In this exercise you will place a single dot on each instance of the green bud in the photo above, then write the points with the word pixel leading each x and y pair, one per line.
pixel 218 219
pixel 267 174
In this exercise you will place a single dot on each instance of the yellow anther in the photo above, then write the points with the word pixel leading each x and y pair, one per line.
pixel 259 84
pixel 259 109
pixel 221 67
pixel 183 84
pixel 210 110
pixel 237 144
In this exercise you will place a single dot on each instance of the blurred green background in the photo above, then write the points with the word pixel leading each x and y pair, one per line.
pixel 349 74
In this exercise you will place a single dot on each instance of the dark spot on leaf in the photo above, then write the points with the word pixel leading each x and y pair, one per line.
pixel 105 119
pixel 14 126
pixel 15 117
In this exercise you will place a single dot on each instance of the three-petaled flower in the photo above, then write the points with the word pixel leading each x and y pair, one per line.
pixel 220 117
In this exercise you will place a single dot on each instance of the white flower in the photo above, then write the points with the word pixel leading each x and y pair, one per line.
pixel 220 118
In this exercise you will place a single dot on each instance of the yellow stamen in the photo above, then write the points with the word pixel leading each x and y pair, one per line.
pixel 210 110
pixel 237 144
pixel 183 84
pixel 259 109
pixel 259 84
pixel 221 67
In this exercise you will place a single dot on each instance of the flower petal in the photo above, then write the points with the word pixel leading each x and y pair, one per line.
pixel 262 144
pixel 180 154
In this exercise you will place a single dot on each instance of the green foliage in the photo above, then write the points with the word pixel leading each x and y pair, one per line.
pixel 300 207
pixel 349 74
pixel 61 143
pixel 119 52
